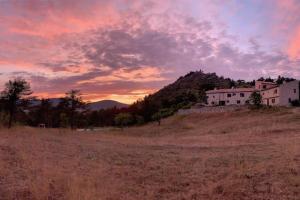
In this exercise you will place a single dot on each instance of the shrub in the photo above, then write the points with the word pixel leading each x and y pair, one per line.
pixel 256 99
pixel 295 103
pixel 64 121
pixel 124 119
pixel 163 113
pixel 139 120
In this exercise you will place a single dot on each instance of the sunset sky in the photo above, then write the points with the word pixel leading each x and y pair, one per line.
pixel 125 49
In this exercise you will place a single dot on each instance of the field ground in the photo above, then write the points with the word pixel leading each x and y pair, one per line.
pixel 233 155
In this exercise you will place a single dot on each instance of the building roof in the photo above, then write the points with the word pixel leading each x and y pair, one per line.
pixel 232 90
pixel 275 86
pixel 265 82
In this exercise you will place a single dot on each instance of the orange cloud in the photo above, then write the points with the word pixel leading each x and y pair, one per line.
pixel 143 74
pixel 127 97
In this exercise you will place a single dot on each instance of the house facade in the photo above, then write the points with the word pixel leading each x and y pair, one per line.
pixel 233 96
pixel 272 94
pixel 281 95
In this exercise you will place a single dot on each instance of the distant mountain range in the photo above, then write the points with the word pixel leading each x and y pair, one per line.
pixel 105 104
pixel 93 106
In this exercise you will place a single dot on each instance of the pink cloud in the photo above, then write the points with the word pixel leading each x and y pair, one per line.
pixel 125 49
pixel 294 45
pixel 53 18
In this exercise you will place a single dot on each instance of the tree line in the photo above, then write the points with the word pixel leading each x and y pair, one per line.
pixel 17 106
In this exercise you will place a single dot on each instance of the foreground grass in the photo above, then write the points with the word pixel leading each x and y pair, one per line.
pixel 239 155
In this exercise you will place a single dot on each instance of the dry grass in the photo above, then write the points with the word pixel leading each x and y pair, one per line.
pixel 239 155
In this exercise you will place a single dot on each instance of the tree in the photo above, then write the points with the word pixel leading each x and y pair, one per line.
pixel 162 113
pixel 157 117
pixel 42 113
pixel 15 90
pixel 74 103
pixel 256 99
pixel 123 119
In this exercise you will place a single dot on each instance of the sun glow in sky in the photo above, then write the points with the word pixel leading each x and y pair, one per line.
pixel 126 49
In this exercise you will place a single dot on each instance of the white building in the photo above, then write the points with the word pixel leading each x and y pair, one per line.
pixel 272 94
pixel 281 95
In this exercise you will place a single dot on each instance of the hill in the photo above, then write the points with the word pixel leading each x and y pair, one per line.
pixel 93 106
pixel 52 101
pixel 105 104
pixel 184 92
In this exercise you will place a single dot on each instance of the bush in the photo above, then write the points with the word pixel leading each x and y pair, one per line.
pixel 139 120
pixel 64 121
pixel 163 113
pixel 256 99
pixel 295 103
pixel 124 119
pixel 188 106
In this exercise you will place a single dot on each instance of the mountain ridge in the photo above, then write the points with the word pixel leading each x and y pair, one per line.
pixel 105 104
pixel 93 106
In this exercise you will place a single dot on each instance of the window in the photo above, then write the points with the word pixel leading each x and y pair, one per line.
pixel 213 96
pixel 264 87
pixel 247 102
pixel 275 91
pixel 233 94
pixel 295 90
pixel 227 101
pixel 242 95
pixel 238 101
pixel 212 103
pixel 273 100
pixel 228 95
pixel 290 100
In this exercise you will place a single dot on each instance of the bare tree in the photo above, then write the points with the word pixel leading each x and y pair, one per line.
pixel 14 92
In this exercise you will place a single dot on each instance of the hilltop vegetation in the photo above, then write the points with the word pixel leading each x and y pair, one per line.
pixel 234 155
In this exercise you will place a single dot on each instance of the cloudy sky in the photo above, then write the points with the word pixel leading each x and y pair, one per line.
pixel 125 49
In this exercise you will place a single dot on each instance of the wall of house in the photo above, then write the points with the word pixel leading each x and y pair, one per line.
pixel 234 99
pixel 261 85
pixel 289 92
pixel 271 96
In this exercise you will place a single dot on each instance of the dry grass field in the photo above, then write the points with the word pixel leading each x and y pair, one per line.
pixel 233 155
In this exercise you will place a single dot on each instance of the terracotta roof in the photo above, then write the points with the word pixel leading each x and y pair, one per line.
pixel 232 90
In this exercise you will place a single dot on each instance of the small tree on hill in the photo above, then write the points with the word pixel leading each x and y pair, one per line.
pixel 162 113
pixel 123 119
pixel 157 117
pixel 15 90
pixel 256 99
